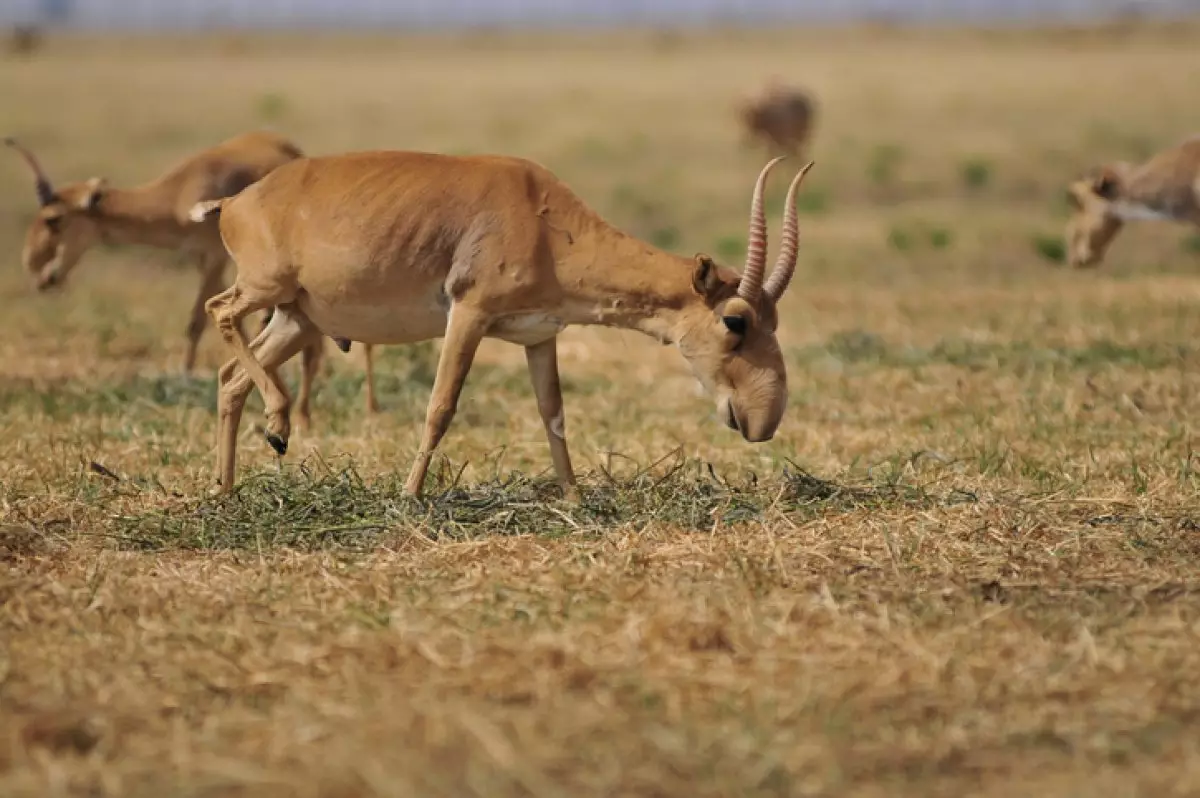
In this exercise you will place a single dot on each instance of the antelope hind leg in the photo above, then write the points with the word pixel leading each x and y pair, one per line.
pixel 369 357
pixel 313 357
pixel 287 334
pixel 227 309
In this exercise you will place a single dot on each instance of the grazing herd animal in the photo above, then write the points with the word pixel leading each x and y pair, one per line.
pixel 779 116
pixel 74 217
pixel 24 40
pixel 472 247
pixel 395 247
pixel 1164 188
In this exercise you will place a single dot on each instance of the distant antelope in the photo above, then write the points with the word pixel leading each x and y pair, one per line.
pixel 1164 188
pixel 24 39
pixel 74 217
pixel 400 247
pixel 779 115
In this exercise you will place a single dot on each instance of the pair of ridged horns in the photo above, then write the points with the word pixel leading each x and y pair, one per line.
pixel 41 183
pixel 751 284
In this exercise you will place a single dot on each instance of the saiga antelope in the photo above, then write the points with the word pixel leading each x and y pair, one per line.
pixel 1165 188
pixel 779 115
pixel 73 217
pixel 24 39
pixel 399 247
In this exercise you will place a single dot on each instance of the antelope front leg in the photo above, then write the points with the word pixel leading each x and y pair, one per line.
pixel 464 331
pixel 543 372
pixel 231 401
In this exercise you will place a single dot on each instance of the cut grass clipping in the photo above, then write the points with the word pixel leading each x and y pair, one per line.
pixel 303 508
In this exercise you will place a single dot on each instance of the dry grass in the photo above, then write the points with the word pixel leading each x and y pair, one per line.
pixel 964 566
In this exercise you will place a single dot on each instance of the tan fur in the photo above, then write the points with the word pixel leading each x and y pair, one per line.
pixel 779 116
pixel 202 211
pixel 1166 188
pixel 396 247
pixel 75 216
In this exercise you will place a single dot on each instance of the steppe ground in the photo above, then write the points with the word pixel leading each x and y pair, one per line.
pixel 965 565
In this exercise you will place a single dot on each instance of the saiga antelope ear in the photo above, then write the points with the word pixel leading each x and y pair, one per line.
pixel 1072 197
pixel 95 190
pixel 705 279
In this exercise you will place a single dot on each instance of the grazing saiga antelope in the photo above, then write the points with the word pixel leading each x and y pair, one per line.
pixel 1164 188
pixel 74 217
pixel 779 115
pixel 399 247
pixel 24 39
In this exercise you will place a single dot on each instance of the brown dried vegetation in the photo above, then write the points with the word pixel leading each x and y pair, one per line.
pixel 964 566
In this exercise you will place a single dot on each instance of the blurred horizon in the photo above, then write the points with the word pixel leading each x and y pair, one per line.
pixel 451 14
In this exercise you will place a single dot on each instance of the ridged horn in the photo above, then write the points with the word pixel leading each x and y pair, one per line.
pixel 789 241
pixel 41 184
pixel 756 241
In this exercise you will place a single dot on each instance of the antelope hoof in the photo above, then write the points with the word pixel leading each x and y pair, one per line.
pixel 278 443
pixel 343 344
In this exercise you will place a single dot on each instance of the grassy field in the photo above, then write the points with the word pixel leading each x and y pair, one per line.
pixel 966 565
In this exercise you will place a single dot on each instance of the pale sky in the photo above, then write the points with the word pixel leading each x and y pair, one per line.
pixel 438 13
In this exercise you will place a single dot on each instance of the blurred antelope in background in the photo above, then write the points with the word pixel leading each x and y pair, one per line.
pixel 1164 188
pixel 24 40
pixel 400 247
pixel 72 218
pixel 780 116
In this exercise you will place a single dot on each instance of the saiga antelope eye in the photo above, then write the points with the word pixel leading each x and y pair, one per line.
pixel 735 324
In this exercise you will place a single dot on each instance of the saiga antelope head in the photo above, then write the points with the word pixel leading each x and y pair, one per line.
pixel 1094 221
pixel 728 337
pixel 64 227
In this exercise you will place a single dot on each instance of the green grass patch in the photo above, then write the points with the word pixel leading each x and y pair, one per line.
pixel 1050 248
pixel 883 165
pixel 272 106
pixel 975 174
pixel 312 507
pixel 865 348
pixel 911 236
pixel 731 248
pixel 67 399
pixel 665 237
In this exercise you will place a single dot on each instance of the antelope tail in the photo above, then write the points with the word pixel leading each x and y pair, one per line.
pixel 202 211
